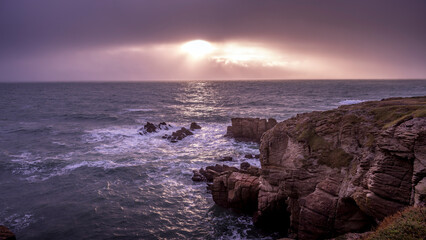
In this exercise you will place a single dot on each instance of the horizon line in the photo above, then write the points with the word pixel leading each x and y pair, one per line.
pixel 212 80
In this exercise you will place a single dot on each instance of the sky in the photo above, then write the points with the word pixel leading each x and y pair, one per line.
pixel 129 40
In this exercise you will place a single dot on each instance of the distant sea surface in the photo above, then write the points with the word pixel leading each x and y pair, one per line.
pixel 73 166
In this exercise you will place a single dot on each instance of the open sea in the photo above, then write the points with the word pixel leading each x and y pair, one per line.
pixel 73 166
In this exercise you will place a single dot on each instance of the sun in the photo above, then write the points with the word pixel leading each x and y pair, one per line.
pixel 197 48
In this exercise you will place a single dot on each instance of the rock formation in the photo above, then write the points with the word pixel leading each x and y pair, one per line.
pixel 150 128
pixel 178 135
pixel 249 129
pixel 6 234
pixel 324 174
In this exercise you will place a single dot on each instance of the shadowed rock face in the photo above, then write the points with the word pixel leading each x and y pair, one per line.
pixel 328 173
pixel 249 129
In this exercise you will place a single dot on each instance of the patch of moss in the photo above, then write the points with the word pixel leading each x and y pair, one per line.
pixel 409 224
pixel 371 140
pixel 336 158
pixel 327 155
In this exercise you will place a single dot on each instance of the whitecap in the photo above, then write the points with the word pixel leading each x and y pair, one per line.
pixel 350 101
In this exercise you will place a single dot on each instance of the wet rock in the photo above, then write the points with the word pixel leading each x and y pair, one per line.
pixel 211 172
pixel 249 129
pixel 6 234
pixel 198 177
pixel 178 135
pixel 226 159
pixel 194 126
pixel 164 126
pixel 150 128
pixel 244 165
pixel 248 156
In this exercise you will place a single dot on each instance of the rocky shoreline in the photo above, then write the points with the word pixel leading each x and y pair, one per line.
pixel 326 174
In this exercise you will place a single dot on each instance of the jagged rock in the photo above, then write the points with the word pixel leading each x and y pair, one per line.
pixel 236 190
pixel 249 129
pixel 194 126
pixel 248 156
pixel 211 172
pixel 178 135
pixel 150 128
pixel 324 174
pixel 6 234
pixel 198 177
pixel 226 159
pixel 164 126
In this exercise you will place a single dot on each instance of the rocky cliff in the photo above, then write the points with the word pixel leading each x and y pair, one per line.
pixel 324 174
pixel 249 129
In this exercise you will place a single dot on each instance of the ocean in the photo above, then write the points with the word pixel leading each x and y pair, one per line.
pixel 73 166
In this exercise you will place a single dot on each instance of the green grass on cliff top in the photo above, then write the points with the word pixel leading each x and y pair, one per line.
pixel 392 111
pixel 409 224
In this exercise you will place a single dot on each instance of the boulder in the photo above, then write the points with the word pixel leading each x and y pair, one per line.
pixel 249 129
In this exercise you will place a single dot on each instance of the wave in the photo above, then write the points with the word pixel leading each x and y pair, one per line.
pixel 351 101
pixel 86 116
pixel 139 110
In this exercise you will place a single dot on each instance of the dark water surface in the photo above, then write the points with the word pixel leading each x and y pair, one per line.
pixel 72 165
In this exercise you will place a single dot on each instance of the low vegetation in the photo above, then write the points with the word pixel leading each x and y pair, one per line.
pixel 409 224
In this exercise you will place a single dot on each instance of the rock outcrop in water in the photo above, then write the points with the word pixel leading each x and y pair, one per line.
pixel 178 135
pixel 324 174
pixel 151 128
pixel 249 129
pixel 6 234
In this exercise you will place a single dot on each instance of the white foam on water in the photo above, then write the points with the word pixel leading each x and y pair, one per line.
pixel 350 101
pixel 17 222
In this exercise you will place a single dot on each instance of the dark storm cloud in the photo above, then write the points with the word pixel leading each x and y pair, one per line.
pixel 386 30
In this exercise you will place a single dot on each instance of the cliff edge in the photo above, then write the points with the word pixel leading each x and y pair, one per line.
pixel 324 174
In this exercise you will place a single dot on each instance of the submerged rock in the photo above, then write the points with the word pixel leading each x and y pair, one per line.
pixel 226 159
pixel 6 234
pixel 194 126
pixel 249 129
pixel 324 174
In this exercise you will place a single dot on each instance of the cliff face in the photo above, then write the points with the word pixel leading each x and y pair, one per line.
pixel 249 129
pixel 327 173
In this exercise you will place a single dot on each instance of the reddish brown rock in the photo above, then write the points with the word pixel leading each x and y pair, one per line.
pixel 325 174
pixel 6 234
pixel 249 129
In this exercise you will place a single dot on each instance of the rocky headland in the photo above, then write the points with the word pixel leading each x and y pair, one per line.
pixel 325 174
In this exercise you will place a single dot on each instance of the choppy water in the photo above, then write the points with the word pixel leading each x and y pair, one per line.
pixel 72 165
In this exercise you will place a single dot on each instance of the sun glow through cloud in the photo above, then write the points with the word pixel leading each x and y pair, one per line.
pixel 238 54
pixel 197 48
